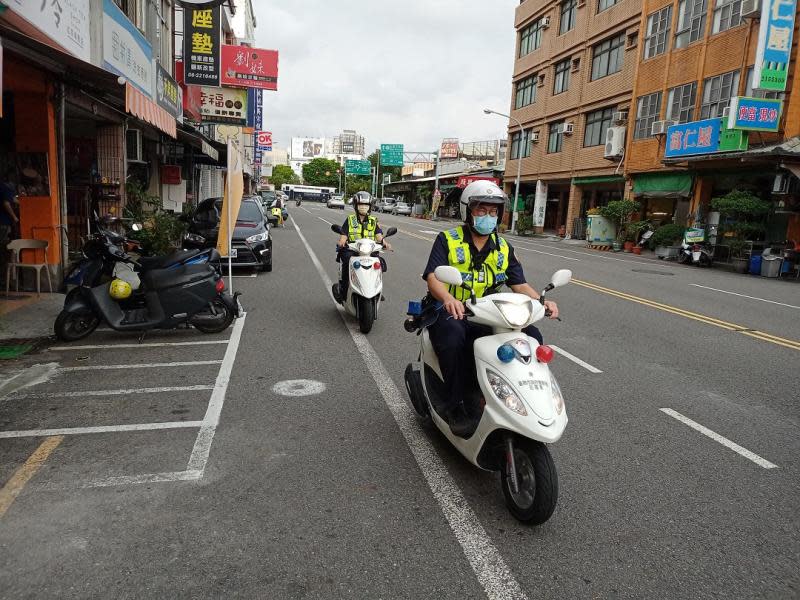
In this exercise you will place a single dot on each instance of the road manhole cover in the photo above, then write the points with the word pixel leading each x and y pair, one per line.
pixel 299 387
pixel 649 272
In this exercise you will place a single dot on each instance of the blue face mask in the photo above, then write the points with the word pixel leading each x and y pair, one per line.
pixel 485 224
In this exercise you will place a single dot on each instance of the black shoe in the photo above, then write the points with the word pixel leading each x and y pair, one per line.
pixel 336 294
pixel 460 424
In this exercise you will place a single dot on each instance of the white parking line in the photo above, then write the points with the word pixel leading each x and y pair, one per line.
pixel 148 345
pixel 101 429
pixel 705 287
pixel 251 276
pixel 79 394
pixel 718 438
pixel 488 565
pixel 189 363
pixel 575 359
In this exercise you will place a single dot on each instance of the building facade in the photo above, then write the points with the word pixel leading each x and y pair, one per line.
pixel 348 143
pixel 573 78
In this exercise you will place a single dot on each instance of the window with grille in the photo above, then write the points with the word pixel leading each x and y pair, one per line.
pixel 756 93
pixel 569 14
pixel 561 83
pixel 727 14
pixel 658 25
pixel 555 139
pixel 605 4
pixel 608 57
pixel 691 22
pixel 520 145
pixel 717 93
pixel 526 92
pixel 597 124
pixel 648 108
pixel 680 103
pixel 530 38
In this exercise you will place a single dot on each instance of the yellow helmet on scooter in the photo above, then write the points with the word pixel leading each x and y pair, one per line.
pixel 119 289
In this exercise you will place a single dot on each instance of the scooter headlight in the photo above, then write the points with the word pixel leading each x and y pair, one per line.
pixel 259 237
pixel 365 248
pixel 558 398
pixel 505 393
pixel 517 315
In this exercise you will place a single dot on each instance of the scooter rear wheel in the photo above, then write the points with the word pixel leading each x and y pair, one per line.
pixel 538 483
pixel 71 326
pixel 217 325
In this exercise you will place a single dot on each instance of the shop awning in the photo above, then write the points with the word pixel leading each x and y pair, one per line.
pixel 191 136
pixel 598 179
pixel 662 185
pixel 139 105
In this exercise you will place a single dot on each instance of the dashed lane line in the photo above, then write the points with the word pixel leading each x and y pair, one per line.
pixel 705 287
pixel 575 359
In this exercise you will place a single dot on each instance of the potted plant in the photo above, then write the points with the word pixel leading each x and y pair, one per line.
pixel 742 218
pixel 633 231
pixel 664 240
pixel 524 223
pixel 739 259
pixel 619 212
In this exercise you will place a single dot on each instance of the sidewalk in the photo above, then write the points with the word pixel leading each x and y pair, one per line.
pixel 25 319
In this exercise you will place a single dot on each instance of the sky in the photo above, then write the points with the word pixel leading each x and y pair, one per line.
pixel 410 72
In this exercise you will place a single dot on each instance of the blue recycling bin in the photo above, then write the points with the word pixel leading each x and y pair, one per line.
pixel 755 264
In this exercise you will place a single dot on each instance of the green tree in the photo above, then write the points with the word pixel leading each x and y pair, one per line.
pixel 321 172
pixel 358 183
pixel 283 174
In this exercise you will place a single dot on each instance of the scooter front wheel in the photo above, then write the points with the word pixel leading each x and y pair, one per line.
pixel 73 326
pixel 366 314
pixel 537 480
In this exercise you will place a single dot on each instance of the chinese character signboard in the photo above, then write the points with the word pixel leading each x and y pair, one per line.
pixel 774 44
pixel 392 155
pixel 756 114
pixel 63 22
pixel 688 139
pixel 168 96
pixel 358 167
pixel 255 109
pixel 223 105
pixel 201 45
pixel 449 148
pixel 126 52
pixel 249 67
pixel 466 180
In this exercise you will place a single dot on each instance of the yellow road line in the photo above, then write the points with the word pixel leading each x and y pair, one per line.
pixel 766 337
pixel 15 485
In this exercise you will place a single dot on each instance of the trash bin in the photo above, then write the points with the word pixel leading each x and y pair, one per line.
pixel 755 264
pixel 771 266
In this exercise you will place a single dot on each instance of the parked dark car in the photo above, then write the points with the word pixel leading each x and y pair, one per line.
pixel 252 242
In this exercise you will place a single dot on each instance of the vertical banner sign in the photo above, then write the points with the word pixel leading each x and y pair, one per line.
pixel 201 46
pixel 774 44
pixel 231 202
pixel 539 204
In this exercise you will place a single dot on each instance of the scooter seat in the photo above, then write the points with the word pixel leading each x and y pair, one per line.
pixel 168 260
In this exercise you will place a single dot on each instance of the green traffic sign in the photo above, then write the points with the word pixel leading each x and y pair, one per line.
pixel 392 155
pixel 358 167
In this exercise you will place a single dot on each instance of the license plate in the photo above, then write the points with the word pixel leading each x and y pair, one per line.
pixel 234 253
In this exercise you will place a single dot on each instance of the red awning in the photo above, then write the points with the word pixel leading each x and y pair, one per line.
pixel 141 106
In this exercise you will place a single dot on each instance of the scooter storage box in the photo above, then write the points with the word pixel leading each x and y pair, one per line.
pixel 162 279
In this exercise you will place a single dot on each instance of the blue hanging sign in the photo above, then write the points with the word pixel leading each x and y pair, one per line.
pixel 755 114
pixel 689 139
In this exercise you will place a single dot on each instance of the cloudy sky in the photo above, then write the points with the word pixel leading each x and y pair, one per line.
pixel 408 72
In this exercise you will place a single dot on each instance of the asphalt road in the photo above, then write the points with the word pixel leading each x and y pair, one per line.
pixel 677 470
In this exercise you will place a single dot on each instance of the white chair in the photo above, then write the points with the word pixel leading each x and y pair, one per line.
pixel 16 247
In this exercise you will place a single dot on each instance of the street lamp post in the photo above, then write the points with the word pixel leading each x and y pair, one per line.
pixel 514 213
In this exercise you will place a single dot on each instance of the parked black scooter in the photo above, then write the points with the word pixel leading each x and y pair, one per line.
pixel 167 298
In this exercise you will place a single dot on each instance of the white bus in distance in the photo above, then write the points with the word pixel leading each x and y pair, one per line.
pixel 308 192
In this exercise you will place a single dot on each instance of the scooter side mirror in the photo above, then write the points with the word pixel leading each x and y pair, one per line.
pixel 337 229
pixel 449 275
pixel 390 232
pixel 561 278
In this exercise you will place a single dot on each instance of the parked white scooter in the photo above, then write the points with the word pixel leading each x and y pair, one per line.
pixel 365 288
pixel 524 407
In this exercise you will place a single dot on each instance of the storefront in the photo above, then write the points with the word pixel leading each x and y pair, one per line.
pixel 664 197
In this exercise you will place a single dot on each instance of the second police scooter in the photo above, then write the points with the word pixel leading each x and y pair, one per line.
pixel 365 288
pixel 524 408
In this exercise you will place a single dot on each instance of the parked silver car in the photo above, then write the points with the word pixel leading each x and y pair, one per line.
pixel 401 208
pixel 385 204
pixel 336 202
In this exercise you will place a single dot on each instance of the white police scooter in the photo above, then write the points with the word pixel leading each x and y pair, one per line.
pixel 524 408
pixel 365 288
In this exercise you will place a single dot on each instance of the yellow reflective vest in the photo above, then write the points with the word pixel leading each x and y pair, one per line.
pixel 361 231
pixel 490 274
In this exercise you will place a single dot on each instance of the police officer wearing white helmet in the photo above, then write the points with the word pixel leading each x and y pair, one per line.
pixel 488 262
pixel 359 226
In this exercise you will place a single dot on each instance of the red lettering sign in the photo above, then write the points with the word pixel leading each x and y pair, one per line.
pixel 247 67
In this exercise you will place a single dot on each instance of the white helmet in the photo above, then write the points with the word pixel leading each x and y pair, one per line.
pixel 482 192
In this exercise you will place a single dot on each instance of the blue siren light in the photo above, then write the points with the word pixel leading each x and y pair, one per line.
pixel 505 353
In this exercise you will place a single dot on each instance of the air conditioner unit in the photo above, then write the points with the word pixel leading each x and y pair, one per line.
pixel 133 144
pixel 621 116
pixel 545 22
pixel 751 9
pixel 660 127
pixel 568 128
pixel 781 184
pixel 535 137
pixel 615 143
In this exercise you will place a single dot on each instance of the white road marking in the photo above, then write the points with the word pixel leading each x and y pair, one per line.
pixel 575 359
pixel 101 429
pixel 325 221
pixel 718 438
pixel 202 445
pixel 79 394
pixel 149 345
pixel 705 287
pixel 428 231
pixel 299 387
pixel 139 479
pixel 190 363
pixel 251 276
pixel 484 558
pixel 518 247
